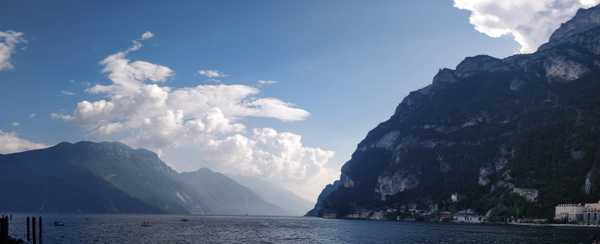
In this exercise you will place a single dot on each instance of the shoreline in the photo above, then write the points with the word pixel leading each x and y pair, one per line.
pixel 556 225
pixel 482 223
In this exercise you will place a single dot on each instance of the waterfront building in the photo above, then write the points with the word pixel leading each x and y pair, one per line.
pixel 585 214
pixel 591 214
pixel 569 213
pixel 467 216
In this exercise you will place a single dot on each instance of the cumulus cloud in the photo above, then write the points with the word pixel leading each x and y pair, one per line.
pixel 211 73
pixel 147 35
pixel 529 22
pixel 198 126
pixel 15 124
pixel 11 143
pixel 128 77
pixel 8 45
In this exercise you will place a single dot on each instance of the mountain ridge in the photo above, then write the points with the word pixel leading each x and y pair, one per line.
pixel 505 137
pixel 111 177
pixel 205 184
pixel 277 195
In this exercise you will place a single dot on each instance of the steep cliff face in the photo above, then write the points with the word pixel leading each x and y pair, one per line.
pixel 505 137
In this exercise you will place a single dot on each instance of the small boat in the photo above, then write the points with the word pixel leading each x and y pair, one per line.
pixel 146 224
pixel 59 223
pixel 184 220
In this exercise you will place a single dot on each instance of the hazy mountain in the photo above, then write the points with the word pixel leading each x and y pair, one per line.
pixel 276 195
pixel 111 177
pixel 505 137
pixel 139 173
pixel 42 181
pixel 221 194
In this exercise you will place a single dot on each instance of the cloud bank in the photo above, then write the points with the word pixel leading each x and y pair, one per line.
pixel 199 126
pixel 8 45
pixel 11 143
pixel 529 22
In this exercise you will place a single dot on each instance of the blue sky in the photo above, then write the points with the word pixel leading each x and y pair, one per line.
pixel 348 63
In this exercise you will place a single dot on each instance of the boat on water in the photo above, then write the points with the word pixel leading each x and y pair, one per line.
pixel 59 223
pixel 146 224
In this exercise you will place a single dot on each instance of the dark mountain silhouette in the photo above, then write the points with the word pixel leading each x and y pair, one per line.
pixel 504 137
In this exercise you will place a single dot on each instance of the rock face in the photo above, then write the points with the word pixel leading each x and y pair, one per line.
pixel 507 137
pixel 108 177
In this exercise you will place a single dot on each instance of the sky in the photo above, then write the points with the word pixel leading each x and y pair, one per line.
pixel 281 90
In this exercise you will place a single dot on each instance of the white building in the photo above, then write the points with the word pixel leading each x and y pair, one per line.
pixel 591 214
pixel 588 214
pixel 571 213
pixel 467 216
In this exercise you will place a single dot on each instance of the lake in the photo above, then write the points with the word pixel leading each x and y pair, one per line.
pixel 227 229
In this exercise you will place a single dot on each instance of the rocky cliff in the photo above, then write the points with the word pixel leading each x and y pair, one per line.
pixel 504 137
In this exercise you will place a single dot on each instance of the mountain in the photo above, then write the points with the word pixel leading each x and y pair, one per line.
pixel 110 177
pixel 502 137
pixel 291 203
pixel 223 195
pixel 137 172
pixel 42 181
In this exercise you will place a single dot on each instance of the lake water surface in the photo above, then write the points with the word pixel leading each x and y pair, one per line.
pixel 225 229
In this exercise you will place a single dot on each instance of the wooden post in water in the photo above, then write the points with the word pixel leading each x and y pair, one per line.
pixel 40 229
pixel 3 229
pixel 2 240
pixel 28 229
pixel 33 235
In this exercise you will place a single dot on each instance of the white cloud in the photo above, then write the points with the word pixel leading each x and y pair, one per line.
pixel 32 115
pixel 15 124
pixel 200 126
pixel 67 93
pixel 267 82
pixel 147 35
pixel 210 73
pixel 60 116
pixel 8 45
pixel 129 77
pixel 11 143
pixel 530 22
pixel 275 108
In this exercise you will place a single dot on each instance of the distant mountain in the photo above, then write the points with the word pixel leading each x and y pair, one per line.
pixel 42 181
pixel 504 137
pixel 111 177
pixel 276 195
pixel 221 194
pixel 137 172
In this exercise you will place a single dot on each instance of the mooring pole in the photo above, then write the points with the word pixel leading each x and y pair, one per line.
pixel 3 229
pixel 40 223
pixel 33 235
pixel 28 229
